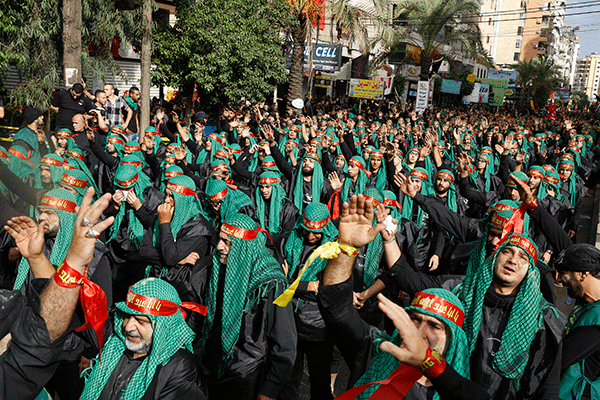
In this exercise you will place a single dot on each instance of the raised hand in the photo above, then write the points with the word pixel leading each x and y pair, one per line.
pixel 413 349
pixel 336 183
pixel 524 190
pixel 165 213
pixel 356 225
pixel 28 236
pixel 405 185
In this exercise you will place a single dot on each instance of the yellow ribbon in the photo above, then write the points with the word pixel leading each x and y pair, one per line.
pixel 328 251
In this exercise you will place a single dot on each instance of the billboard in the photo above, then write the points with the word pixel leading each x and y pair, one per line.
pixel 498 89
pixel 450 86
pixel 510 75
pixel 366 89
pixel 422 97
pixel 326 57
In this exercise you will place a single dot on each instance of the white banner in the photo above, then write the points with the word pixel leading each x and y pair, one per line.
pixel 422 97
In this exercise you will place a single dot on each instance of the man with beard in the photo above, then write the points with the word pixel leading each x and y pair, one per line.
pixel 273 210
pixel 249 342
pixel 110 157
pixel 31 137
pixel 578 268
pixel 69 102
pixel 57 214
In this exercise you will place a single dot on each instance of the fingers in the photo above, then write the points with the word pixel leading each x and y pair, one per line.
pixel 95 210
pixel 85 202
pixel 360 206
pixel 353 209
pixel 100 227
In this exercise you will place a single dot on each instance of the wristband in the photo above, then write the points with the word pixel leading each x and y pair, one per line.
pixel 433 365
pixel 533 205
pixel 67 277
pixel 348 250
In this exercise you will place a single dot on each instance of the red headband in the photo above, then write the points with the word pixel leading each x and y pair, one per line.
pixel 128 183
pixel 446 176
pixel 358 165
pixel 20 155
pixel 58 204
pixel 526 244
pixel 51 161
pixel 374 201
pixel 419 174
pixel 313 156
pixel 439 306
pixel 535 172
pixel 134 163
pixel 551 180
pixel 172 174
pixel 240 233
pixel 72 181
pixel 76 155
pixel 392 203
pixel 315 225
pixel 114 139
pixel 268 164
pixel 268 181
pixel 132 147
pixel 220 195
pixel 160 307
pixel 185 191
pixel 64 134
pixel 170 160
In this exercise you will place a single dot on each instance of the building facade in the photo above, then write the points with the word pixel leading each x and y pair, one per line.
pixel 587 75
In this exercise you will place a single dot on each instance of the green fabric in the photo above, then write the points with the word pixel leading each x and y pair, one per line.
pixel 456 353
pixel 395 212
pixel 572 180
pixel 82 166
pixel 573 382
pixel 381 181
pixel 275 204
pixel 487 173
pixel 249 271
pixel 55 171
pixel 77 174
pixel 20 167
pixel 131 103
pixel 316 184
pixel 451 204
pixel 135 228
pixel 524 321
pixel 186 207
pixel 541 194
pixel 295 242
pixel 361 181
pixel 118 146
pixel 232 202
pixel 31 138
pixel 557 192
pixel 171 333
pixel 164 180
pixel 407 202
pixel 62 241
pixel 374 248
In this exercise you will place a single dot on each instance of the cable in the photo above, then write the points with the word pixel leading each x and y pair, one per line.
pixel 534 10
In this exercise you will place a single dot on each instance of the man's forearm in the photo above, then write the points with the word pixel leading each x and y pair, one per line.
pixel 338 270
pixel 41 267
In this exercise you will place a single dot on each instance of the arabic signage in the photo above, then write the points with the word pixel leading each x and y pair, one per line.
pixel 366 89
pixel 422 96
pixel 322 81
pixel 511 76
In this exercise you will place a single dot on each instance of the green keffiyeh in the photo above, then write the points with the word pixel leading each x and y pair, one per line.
pixel 76 180
pixel 249 271
pixel 566 163
pixel 55 163
pixel 19 162
pixel 456 353
pixel 131 103
pixel 233 199
pixel 275 201
pixel 315 218
pixel 76 154
pixel 539 172
pixel 171 333
pixel 316 184
pixel 426 190
pixel 361 181
pixel 128 177
pixel 525 317
pixel 62 202
pixel 375 247
pixel 31 138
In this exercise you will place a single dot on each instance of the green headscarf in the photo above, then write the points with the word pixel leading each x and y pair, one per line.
pixel 249 271
pixel 19 162
pixel 426 190
pixel 55 163
pixel 428 302
pixel 63 203
pixel 315 218
pixel 375 247
pixel 361 181
pixel 449 176
pixel 76 154
pixel 525 317
pixel 275 202
pixel 76 179
pixel 567 163
pixel 381 174
pixel 30 137
pixel 316 184
pixel 127 177
pixel 169 173
pixel 540 172
pixel 552 180
pixel 170 334
pixel 233 199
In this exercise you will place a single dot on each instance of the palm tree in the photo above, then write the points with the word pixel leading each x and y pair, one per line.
pixel 305 12
pixel 441 28
pixel 538 78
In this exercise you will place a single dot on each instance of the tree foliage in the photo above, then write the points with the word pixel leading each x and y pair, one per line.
pixel 230 49
pixel 31 41
pixel 538 78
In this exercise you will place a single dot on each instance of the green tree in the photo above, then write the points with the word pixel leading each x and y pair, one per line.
pixel 230 49
pixel 31 41
pixel 441 28
pixel 538 78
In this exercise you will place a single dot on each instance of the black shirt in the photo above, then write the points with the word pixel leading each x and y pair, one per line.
pixel 119 379
pixel 68 107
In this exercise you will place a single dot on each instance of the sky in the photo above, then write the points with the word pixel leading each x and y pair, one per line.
pixel 589 24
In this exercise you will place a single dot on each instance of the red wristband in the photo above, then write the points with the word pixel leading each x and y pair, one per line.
pixel 533 205
pixel 68 277
pixel 433 365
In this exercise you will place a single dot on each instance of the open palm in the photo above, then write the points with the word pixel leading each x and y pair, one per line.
pixel 356 225
pixel 28 236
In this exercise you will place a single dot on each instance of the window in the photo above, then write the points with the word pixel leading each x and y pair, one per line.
pixel 517 56
pixel 520 30
pixel 518 44
pixel 488 40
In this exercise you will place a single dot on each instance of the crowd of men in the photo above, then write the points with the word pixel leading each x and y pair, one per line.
pixel 213 260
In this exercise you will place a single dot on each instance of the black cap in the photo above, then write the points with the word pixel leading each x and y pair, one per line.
pixel 580 257
pixel 30 114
